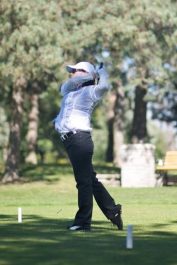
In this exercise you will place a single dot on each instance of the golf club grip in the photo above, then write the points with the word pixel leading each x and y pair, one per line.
pixel 101 65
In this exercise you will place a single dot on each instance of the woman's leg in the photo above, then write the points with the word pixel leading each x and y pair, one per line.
pixel 106 202
pixel 80 150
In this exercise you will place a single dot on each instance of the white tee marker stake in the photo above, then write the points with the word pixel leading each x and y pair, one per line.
pixel 129 239
pixel 19 215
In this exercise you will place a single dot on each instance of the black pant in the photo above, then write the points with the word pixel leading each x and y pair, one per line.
pixel 79 148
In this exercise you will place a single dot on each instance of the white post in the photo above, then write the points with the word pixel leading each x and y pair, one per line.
pixel 129 239
pixel 19 215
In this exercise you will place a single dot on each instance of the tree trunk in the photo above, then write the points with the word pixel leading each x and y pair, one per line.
pixel 13 154
pixel 118 127
pixel 115 113
pixel 139 129
pixel 110 123
pixel 32 133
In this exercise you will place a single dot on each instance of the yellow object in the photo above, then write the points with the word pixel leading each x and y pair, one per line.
pixel 170 162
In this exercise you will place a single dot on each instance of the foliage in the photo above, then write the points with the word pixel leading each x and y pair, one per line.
pixel 29 39
pixel 28 54
pixel 39 37
pixel 159 139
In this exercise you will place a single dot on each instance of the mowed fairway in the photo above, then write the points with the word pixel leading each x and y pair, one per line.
pixel 48 205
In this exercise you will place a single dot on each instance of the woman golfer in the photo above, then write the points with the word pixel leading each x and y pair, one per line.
pixel 81 92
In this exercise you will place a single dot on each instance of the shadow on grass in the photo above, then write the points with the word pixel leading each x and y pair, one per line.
pixel 52 172
pixel 46 241
pixel 45 172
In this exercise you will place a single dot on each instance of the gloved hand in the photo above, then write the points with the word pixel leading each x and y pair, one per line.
pixel 97 73
pixel 101 71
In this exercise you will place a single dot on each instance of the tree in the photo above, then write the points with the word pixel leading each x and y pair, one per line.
pixel 154 46
pixel 32 132
pixel 4 133
pixel 138 29
pixel 139 129
pixel 29 53
pixel 38 37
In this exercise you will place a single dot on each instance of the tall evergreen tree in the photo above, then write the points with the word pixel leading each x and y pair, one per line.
pixel 29 52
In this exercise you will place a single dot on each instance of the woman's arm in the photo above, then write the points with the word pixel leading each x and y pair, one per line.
pixel 75 83
pixel 103 84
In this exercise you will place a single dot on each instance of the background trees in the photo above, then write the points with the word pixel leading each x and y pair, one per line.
pixel 38 38
pixel 29 53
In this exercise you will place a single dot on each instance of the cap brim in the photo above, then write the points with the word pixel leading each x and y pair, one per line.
pixel 70 68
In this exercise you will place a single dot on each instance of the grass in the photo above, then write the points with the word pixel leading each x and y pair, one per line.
pixel 49 201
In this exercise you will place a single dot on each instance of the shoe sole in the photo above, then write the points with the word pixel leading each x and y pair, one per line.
pixel 75 228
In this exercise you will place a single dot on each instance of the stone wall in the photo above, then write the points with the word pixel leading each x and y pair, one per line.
pixel 138 165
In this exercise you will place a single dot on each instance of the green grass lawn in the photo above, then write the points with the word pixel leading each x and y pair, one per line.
pixel 49 201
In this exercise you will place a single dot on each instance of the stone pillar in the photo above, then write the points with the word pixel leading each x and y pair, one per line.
pixel 138 165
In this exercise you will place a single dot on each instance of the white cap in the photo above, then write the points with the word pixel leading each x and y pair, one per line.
pixel 86 66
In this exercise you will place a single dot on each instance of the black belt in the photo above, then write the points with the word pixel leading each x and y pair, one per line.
pixel 64 136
